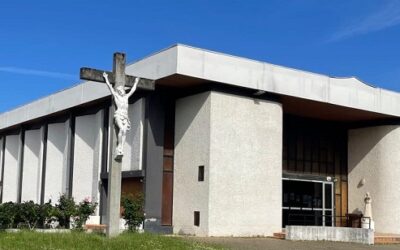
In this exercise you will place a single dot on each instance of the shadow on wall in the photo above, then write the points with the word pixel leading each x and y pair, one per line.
pixel 365 140
pixel 189 111
pixel 12 148
pixel 57 136
pixel 156 120
pixel 366 144
pixel 33 145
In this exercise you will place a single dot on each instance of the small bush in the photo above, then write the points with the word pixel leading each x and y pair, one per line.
pixel 7 215
pixel 46 214
pixel 133 210
pixel 27 215
pixel 83 210
pixel 64 210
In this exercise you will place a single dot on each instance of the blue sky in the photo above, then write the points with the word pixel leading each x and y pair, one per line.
pixel 44 43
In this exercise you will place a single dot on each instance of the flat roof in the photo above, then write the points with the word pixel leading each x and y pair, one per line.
pixel 226 69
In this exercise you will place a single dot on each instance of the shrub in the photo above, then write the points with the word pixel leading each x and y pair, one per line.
pixel 7 215
pixel 46 214
pixel 31 215
pixel 64 210
pixel 27 215
pixel 83 210
pixel 133 210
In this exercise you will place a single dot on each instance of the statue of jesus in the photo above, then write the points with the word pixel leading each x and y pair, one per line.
pixel 121 118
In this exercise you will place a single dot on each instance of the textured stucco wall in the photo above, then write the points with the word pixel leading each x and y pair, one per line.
pixel 87 156
pixel 56 161
pixel 32 171
pixel 374 155
pixel 134 139
pixel 239 141
pixel 11 169
pixel 192 145
pixel 246 166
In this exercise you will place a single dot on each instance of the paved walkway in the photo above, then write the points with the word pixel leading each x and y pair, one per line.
pixel 274 244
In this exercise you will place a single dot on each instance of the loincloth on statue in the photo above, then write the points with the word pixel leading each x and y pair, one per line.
pixel 123 118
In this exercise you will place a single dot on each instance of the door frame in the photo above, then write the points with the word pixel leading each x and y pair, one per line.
pixel 323 209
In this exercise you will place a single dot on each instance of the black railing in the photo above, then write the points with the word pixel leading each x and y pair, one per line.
pixel 350 220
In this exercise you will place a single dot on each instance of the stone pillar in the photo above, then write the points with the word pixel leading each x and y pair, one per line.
pixel 373 166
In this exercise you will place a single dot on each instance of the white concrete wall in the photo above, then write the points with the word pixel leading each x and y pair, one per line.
pixel 192 146
pixel 246 166
pixel 374 155
pixel 133 148
pixel 11 169
pixel 239 141
pixel 32 162
pixel 87 157
pixel 56 161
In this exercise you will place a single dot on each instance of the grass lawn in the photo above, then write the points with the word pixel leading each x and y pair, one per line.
pixel 77 240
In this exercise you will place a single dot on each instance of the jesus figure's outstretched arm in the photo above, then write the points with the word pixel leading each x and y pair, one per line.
pixel 105 75
pixel 134 86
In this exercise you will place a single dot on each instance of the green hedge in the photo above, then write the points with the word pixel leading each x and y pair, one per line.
pixel 30 215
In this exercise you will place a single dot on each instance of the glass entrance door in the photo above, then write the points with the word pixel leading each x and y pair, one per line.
pixel 307 202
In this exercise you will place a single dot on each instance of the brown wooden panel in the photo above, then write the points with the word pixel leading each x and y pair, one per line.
pixel 132 186
pixel 168 163
pixel 169 139
pixel 166 212
pixel 338 211
pixel 344 198
pixel 338 186
pixel 168 152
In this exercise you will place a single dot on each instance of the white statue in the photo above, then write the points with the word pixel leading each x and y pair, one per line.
pixel 368 207
pixel 367 221
pixel 121 118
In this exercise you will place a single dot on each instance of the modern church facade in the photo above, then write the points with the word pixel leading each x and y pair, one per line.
pixel 224 146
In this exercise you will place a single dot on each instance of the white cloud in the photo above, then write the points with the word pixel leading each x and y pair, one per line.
pixel 387 16
pixel 35 72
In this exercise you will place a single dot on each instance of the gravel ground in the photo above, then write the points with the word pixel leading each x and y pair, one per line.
pixel 272 244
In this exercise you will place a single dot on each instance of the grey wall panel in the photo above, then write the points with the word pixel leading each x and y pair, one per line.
pixel 56 161
pixel 154 157
pixel 31 176
pixel 87 156
pixel 11 169
pixel 134 140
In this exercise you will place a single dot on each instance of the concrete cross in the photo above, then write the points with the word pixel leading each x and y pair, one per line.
pixel 116 79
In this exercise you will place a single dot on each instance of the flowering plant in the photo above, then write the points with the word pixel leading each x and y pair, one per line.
pixel 83 210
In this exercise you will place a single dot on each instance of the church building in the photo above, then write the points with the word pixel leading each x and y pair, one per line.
pixel 223 146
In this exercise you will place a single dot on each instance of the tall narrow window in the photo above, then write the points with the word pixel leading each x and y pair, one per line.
pixel 201 174
pixel 197 218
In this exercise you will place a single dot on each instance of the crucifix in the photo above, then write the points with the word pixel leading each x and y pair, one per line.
pixel 117 83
